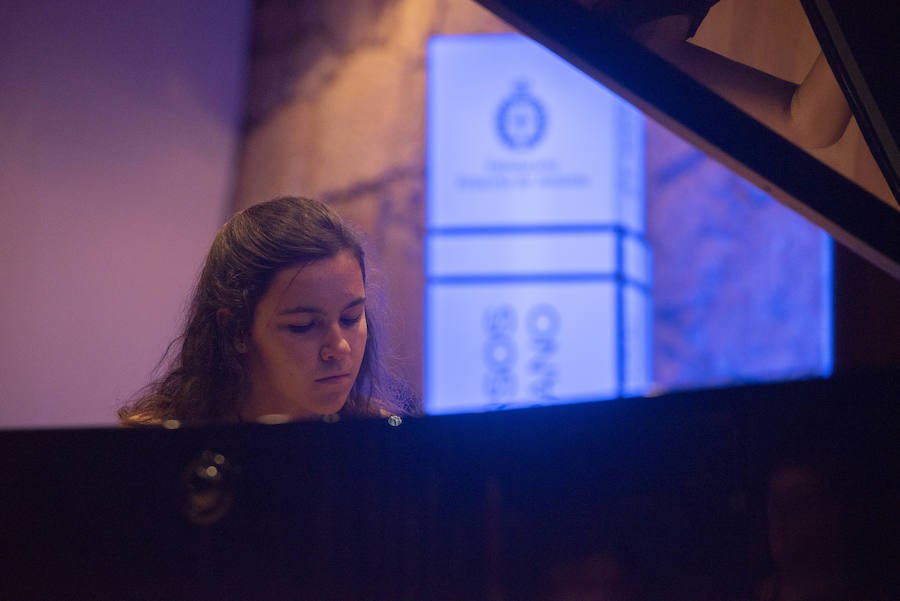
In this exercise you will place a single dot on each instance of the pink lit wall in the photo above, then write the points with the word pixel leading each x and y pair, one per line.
pixel 119 123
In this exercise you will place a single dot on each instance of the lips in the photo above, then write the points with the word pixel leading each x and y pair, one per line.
pixel 338 378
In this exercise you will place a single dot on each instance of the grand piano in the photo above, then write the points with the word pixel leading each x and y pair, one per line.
pixel 664 497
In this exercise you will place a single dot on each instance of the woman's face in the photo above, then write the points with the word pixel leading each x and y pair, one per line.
pixel 307 340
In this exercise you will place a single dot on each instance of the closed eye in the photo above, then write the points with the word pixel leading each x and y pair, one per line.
pixel 349 321
pixel 301 328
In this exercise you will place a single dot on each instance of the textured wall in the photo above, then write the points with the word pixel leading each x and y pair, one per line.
pixel 337 111
pixel 738 278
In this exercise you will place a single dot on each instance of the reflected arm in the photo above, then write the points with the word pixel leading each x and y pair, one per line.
pixel 811 114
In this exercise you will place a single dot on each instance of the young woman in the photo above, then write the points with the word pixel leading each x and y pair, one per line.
pixel 278 325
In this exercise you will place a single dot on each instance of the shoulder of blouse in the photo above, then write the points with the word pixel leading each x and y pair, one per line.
pixel 139 419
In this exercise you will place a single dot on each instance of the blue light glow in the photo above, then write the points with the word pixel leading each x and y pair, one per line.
pixel 535 231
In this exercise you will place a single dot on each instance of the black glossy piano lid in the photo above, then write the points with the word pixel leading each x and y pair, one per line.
pixel 477 506
pixel 862 43
pixel 853 216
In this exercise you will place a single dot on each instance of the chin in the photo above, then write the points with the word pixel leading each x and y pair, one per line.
pixel 327 405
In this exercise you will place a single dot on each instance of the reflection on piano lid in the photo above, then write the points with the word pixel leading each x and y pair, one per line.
pixel 860 46
pixel 670 490
pixel 853 216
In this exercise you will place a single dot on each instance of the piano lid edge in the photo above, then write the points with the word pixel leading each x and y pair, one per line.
pixel 851 215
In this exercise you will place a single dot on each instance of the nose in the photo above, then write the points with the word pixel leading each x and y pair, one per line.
pixel 335 345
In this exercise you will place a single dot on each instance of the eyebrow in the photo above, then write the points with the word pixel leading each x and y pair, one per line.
pixel 304 309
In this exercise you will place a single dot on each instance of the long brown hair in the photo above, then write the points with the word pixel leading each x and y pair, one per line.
pixel 208 376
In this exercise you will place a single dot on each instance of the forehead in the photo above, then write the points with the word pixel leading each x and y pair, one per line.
pixel 335 279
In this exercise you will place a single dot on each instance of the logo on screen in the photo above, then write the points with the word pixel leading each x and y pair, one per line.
pixel 521 120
